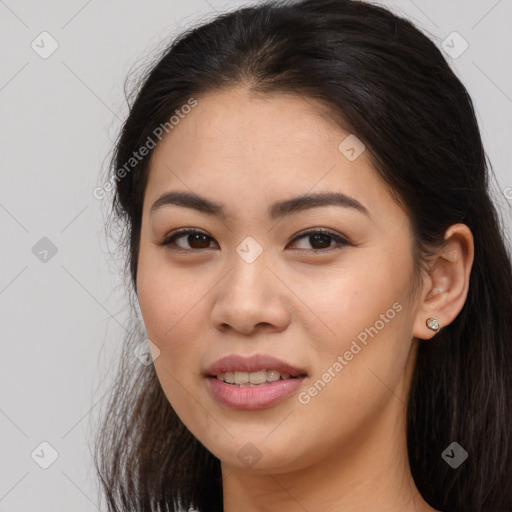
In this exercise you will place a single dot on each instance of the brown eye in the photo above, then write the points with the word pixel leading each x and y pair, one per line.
pixel 198 241
pixel 324 241
pixel 320 240
pixel 195 239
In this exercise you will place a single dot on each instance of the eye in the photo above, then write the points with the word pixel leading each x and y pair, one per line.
pixel 319 239
pixel 197 239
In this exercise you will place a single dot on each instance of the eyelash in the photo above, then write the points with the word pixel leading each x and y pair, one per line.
pixel 169 240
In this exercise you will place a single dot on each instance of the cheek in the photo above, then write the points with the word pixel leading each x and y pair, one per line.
pixel 347 303
pixel 170 305
pixel 171 309
pixel 365 320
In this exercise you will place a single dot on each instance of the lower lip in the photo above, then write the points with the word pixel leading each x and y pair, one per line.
pixel 252 397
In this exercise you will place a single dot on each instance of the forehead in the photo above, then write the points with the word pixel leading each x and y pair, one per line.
pixel 243 148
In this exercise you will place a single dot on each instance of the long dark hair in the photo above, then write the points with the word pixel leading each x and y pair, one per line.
pixel 385 81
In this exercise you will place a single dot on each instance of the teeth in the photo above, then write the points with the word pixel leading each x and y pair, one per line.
pixel 229 377
pixel 257 377
pixel 252 378
pixel 273 375
pixel 241 377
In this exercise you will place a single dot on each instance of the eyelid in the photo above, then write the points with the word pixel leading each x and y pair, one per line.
pixel 323 231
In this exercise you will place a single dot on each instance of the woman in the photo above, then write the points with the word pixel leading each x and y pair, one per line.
pixel 320 271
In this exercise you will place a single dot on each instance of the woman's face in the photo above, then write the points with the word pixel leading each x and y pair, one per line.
pixel 261 280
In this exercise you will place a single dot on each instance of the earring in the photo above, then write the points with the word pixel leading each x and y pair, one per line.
pixel 433 324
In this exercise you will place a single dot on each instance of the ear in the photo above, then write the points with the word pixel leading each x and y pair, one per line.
pixel 445 287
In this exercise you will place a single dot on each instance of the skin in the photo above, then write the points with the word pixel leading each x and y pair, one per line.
pixel 300 301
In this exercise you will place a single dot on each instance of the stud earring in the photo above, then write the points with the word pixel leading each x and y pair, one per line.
pixel 433 324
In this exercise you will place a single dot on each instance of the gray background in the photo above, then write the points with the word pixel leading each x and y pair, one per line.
pixel 62 318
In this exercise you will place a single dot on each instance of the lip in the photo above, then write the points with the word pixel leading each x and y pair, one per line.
pixel 235 362
pixel 252 397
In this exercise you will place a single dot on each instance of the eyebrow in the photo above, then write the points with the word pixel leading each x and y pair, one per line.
pixel 276 210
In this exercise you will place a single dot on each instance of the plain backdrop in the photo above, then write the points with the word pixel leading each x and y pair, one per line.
pixel 61 303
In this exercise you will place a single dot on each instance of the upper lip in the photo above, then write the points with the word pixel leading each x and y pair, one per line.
pixel 235 362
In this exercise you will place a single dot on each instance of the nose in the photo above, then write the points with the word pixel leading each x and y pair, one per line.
pixel 251 297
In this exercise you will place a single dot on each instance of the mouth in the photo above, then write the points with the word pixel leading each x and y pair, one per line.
pixel 255 382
